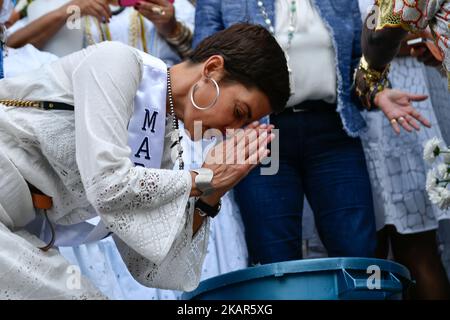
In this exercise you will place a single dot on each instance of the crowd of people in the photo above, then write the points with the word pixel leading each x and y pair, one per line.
pixel 115 182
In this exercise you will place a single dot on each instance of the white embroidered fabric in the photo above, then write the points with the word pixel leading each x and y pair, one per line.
pixel 29 273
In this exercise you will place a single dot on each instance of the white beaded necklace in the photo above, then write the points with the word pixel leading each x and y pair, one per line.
pixel 291 33
pixel 176 136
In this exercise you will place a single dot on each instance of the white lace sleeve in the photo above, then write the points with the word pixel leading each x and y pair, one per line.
pixel 180 269
pixel 145 208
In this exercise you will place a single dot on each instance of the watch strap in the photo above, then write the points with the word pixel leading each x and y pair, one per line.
pixel 208 210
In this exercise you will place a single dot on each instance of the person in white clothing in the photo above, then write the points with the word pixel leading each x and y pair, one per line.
pixel 113 154
pixel 53 26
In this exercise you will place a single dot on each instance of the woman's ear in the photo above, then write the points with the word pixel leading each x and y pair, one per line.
pixel 214 68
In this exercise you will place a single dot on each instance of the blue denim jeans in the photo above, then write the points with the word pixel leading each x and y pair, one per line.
pixel 319 160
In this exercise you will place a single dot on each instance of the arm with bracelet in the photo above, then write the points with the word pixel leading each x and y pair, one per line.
pixel 41 30
pixel 162 14
pixel 381 44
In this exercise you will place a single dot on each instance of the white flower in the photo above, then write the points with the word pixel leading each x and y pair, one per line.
pixel 446 157
pixel 431 150
pixel 435 195
pixel 432 180
pixel 442 171
pixel 440 196
pixel 444 202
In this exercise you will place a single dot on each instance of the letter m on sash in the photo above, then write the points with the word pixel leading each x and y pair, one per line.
pixel 149 121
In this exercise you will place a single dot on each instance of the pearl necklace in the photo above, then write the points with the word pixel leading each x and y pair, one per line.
pixel 291 33
pixel 176 137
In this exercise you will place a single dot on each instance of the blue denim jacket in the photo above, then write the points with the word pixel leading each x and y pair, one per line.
pixel 342 18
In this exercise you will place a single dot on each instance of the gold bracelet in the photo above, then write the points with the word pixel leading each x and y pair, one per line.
pixel 183 33
pixel 375 81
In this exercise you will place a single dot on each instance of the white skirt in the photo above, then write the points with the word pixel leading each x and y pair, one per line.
pixel 395 163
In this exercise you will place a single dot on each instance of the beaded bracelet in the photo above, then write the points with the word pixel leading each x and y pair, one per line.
pixel 182 40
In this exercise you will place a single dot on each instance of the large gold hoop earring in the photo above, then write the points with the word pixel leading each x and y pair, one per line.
pixel 209 106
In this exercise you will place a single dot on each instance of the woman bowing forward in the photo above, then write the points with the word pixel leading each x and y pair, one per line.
pixel 103 139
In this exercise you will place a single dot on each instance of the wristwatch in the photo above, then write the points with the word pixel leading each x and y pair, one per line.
pixel 206 210
pixel 203 180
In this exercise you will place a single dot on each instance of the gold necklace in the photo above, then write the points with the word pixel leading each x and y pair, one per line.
pixel 105 33
pixel 136 27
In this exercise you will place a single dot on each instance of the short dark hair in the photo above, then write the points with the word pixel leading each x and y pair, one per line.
pixel 252 57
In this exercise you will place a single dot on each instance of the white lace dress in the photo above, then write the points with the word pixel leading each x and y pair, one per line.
pixel 100 261
pixel 81 159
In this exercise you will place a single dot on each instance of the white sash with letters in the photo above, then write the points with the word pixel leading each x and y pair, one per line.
pixel 146 132
pixel 147 126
